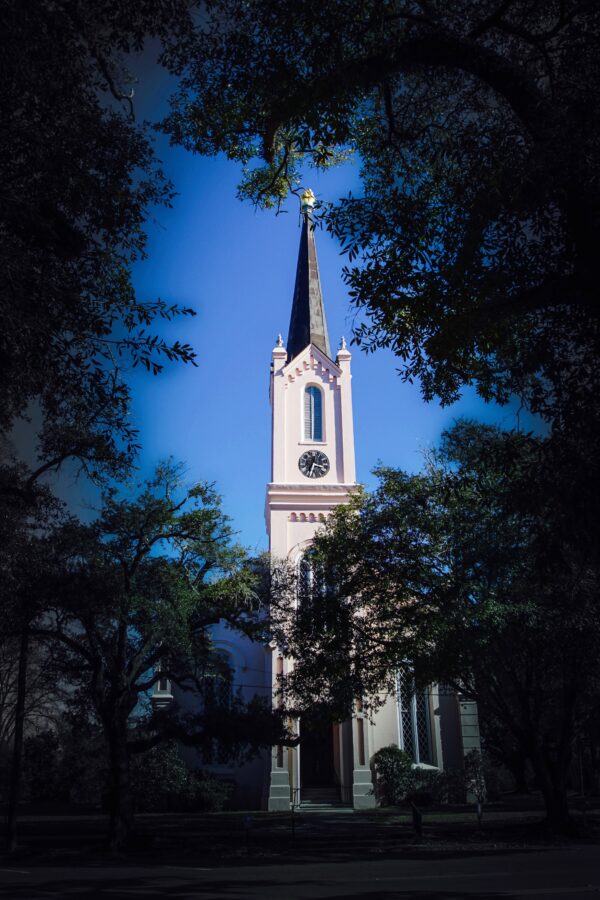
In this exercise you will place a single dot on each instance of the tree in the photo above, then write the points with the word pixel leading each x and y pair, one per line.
pixel 25 514
pixel 43 692
pixel 477 129
pixel 79 178
pixel 474 573
pixel 131 599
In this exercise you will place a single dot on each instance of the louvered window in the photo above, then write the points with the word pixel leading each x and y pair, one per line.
pixel 313 414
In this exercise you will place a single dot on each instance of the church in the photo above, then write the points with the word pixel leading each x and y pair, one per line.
pixel 313 471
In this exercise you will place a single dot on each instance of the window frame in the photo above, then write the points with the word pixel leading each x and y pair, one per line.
pixel 308 391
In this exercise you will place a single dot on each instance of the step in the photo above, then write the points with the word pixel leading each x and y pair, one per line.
pixel 320 794
pixel 323 808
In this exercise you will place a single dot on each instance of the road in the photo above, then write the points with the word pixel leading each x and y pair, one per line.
pixel 558 874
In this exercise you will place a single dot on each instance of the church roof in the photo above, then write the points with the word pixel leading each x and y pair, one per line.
pixel 307 323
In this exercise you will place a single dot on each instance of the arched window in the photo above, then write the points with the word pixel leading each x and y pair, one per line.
pixel 218 697
pixel 306 577
pixel 313 414
pixel 218 681
pixel 312 586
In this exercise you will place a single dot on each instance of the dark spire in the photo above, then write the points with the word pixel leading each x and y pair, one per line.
pixel 307 324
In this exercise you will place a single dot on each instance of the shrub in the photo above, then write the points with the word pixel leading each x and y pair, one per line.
pixel 475 775
pixel 447 786
pixel 426 787
pixel 393 775
pixel 84 767
pixel 212 794
pixel 397 780
pixel 161 781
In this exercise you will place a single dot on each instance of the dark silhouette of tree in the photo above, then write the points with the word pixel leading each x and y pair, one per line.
pixel 79 179
pixel 130 600
pixel 474 573
pixel 476 125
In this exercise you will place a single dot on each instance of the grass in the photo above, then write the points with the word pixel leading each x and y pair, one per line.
pixel 247 837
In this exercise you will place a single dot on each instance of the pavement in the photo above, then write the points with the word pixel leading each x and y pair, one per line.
pixel 568 873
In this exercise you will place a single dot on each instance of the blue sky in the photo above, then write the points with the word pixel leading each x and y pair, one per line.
pixel 236 267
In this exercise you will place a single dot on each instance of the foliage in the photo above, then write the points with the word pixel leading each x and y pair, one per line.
pixel 393 775
pixel 79 179
pixel 438 786
pixel 41 765
pixel 472 248
pixel 131 598
pixel 481 574
pixel 211 794
pixel 65 763
pixel 84 762
pixel 475 775
pixel 508 764
pixel 398 779
pixel 161 781
pixel 44 693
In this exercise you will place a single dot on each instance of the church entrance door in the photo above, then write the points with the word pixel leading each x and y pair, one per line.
pixel 317 772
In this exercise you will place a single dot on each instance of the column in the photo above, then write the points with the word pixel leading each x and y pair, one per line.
pixel 347 434
pixel 279 358
pixel 363 795
pixel 469 725
pixel 279 785
pixel 435 722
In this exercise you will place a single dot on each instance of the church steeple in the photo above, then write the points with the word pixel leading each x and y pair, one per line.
pixel 307 323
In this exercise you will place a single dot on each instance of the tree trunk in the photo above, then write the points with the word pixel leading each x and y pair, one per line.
pixel 516 763
pixel 120 803
pixel 14 789
pixel 552 779
pixel 557 810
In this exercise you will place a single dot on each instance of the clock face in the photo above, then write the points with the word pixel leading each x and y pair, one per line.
pixel 313 464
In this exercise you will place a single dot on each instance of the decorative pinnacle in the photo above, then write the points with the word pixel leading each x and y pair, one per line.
pixel 307 200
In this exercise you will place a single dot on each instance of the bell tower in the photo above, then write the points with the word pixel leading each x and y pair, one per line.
pixel 312 450
pixel 312 471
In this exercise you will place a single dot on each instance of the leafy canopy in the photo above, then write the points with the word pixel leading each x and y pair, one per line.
pixel 133 596
pixel 477 125
pixel 478 574
pixel 79 179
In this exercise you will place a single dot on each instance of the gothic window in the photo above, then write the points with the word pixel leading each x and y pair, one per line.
pixel 318 604
pixel 414 718
pixel 311 585
pixel 313 413
pixel 306 578
pixel 218 686
pixel 218 695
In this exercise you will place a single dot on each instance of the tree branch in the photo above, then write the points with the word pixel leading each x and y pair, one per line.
pixel 437 49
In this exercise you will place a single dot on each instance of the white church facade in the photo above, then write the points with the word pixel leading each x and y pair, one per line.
pixel 313 471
